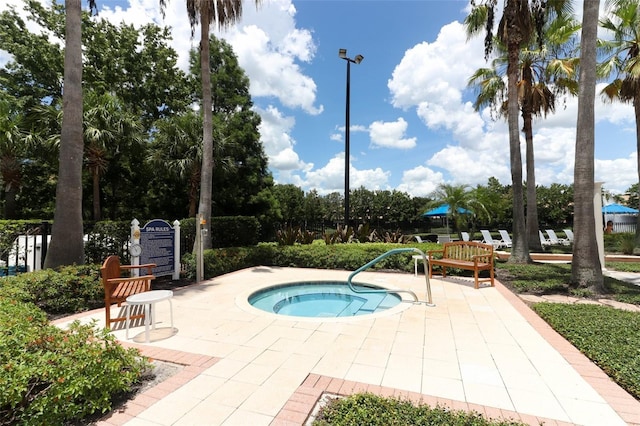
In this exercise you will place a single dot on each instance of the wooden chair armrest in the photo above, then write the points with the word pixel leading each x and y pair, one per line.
pixel 116 281
pixel 430 253
pixel 148 266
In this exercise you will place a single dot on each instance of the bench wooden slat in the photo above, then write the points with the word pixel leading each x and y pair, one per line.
pixel 468 255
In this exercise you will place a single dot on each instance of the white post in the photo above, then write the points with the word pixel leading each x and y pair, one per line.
pixel 176 250
pixel 198 250
pixel 135 239
pixel 597 216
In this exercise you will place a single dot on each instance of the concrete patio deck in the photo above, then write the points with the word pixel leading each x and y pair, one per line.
pixel 481 350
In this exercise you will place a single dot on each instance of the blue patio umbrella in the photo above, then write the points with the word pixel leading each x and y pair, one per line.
pixel 444 210
pixel 618 209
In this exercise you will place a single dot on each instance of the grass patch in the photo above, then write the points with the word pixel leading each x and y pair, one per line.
pixel 608 336
pixel 372 410
pixel 554 278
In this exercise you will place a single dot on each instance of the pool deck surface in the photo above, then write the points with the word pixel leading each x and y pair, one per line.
pixel 481 350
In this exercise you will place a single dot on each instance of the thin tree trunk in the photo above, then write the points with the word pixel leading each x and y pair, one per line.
pixel 532 198
pixel 67 246
pixel 520 247
pixel 586 270
pixel 96 196
pixel 206 173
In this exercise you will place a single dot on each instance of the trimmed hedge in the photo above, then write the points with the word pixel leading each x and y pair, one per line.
pixel 372 410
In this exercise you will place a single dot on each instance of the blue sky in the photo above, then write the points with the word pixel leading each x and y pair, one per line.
pixel 412 121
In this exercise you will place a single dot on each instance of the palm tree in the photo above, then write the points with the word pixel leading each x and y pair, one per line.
pixel 623 59
pixel 108 129
pixel 67 244
pixel 205 12
pixel 520 22
pixel 543 75
pixel 586 270
pixel 177 148
pixel 459 198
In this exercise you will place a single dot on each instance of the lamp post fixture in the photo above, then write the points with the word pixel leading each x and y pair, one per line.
pixel 343 54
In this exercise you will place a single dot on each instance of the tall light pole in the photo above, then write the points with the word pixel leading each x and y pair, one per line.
pixel 343 54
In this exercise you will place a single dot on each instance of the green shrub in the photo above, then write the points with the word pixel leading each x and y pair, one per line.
pixel 608 336
pixel 627 243
pixel 372 410
pixel 51 376
pixel 67 290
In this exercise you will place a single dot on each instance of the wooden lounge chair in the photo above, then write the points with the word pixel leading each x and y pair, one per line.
pixel 118 288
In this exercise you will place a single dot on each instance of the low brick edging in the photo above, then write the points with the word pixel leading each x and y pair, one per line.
pixel 619 399
pixel 193 365
pixel 299 408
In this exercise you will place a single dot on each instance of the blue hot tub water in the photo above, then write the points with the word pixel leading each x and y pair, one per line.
pixel 327 299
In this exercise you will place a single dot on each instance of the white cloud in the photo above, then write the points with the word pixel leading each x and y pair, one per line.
pixel 275 132
pixel 420 181
pixel 391 134
pixel 330 178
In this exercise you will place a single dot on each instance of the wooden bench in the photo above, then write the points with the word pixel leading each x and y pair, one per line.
pixel 118 288
pixel 469 255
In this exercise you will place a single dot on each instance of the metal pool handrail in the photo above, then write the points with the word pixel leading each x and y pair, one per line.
pixel 387 254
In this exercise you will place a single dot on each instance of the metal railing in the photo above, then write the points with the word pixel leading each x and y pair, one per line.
pixel 385 255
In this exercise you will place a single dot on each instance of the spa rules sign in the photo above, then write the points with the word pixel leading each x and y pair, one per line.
pixel 157 239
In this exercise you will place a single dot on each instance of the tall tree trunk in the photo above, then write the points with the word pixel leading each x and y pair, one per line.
pixel 586 270
pixel 532 199
pixel 636 109
pixel 520 246
pixel 96 196
pixel 67 246
pixel 206 173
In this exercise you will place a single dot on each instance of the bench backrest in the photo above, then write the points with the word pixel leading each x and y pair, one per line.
pixel 110 268
pixel 466 250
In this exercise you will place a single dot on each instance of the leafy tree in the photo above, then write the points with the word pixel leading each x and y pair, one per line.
pixel 555 204
pixel 586 270
pixel 290 202
pixel 313 207
pixel 361 204
pixel 332 206
pixel 623 60
pixel 632 191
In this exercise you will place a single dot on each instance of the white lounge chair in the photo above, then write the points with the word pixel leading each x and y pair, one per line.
pixel 569 234
pixel 543 240
pixel 487 239
pixel 506 238
pixel 555 240
pixel 465 236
